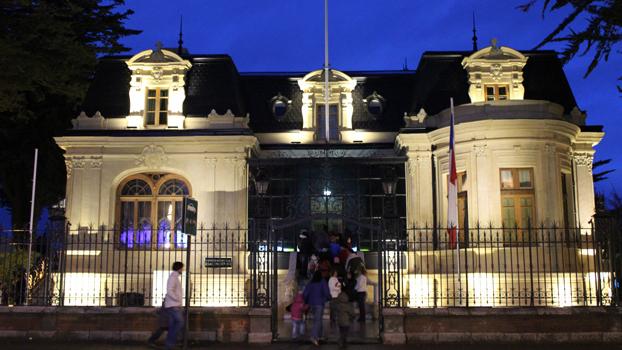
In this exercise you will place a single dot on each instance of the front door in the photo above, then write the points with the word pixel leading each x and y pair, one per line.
pixel 324 196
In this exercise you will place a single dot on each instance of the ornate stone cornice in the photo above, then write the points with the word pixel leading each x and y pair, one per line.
pixel 82 162
pixel 69 167
pixel 152 157
pixel 480 150
pixel 583 159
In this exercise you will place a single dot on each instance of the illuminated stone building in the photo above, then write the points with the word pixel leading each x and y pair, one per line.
pixel 160 125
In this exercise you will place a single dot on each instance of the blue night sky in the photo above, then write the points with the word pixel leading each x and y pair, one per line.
pixel 287 35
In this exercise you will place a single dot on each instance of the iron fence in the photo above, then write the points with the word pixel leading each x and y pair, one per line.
pixel 501 267
pixel 416 267
pixel 121 267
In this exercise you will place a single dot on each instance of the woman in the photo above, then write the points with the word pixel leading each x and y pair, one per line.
pixel 361 293
pixel 316 294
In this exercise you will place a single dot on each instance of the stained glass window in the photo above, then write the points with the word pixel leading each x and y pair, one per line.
pixel 151 221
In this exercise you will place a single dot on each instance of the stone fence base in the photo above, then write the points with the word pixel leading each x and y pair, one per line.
pixel 123 324
pixel 413 326
pixel 514 325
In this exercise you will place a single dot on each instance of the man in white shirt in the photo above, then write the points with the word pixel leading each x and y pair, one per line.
pixel 173 304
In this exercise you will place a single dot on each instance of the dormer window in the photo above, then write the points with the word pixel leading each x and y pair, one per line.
pixel 157 89
pixel 156 111
pixel 375 104
pixel 333 118
pixel 496 93
pixel 279 105
pixel 339 99
pixel 495 74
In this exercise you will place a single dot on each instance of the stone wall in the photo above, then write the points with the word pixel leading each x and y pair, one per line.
pixel 514 325
pixel 414 326
pixel 118 324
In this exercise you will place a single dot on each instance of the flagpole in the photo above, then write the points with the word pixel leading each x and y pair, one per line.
pixel 326 76
pixel 30 227
pixel 453 146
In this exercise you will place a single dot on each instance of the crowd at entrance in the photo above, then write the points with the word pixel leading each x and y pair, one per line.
pixel 328 271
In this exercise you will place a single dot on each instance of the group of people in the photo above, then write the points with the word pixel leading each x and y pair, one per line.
pixel 327 271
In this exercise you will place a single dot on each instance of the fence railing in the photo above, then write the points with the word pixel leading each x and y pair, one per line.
pixel 500 267
pixel 417 267
pixel 117 267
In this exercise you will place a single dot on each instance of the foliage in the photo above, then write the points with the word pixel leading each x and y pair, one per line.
pixel 13 269
pixel 49 52
pixel 601 175
pixel 600 34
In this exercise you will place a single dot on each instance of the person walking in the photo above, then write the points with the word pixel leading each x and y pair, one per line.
pixel 316 294
pixel 345 314
pixel 361 293
pixel 162 327
pixel 173 305
pixel 334 287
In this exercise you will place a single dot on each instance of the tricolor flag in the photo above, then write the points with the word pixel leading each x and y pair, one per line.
pixel 452 186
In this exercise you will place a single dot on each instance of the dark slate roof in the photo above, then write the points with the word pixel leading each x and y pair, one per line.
pixel 393 86
pixel 440 76
pixel 213 82
pixel 109 91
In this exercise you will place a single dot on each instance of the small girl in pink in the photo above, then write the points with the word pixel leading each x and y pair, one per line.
pixel 298 309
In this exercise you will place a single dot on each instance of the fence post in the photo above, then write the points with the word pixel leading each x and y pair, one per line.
pixel 597 260
pixel 531 296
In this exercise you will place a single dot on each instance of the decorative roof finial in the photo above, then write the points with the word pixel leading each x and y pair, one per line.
pixel 405 67
pixel 493 43
pixel 474 34
pixel 180 42
pixel 158 45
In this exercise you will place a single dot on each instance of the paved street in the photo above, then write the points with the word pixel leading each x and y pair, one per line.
pixel 287 346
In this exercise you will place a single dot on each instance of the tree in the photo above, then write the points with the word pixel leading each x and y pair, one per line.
pixel 600 35
pixel 49 53
pixel 598 176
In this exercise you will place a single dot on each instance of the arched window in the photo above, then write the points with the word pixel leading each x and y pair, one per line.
pixel 149 211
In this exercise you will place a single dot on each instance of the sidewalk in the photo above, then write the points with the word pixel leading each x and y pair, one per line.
pixel 14 345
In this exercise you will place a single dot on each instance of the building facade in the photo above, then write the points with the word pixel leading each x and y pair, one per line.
pixel 161 125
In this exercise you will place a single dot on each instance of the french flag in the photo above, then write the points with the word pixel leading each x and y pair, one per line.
pixel 452 186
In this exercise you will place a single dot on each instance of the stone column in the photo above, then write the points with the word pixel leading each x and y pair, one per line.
pixel 584 187
pixel 393 333
pixel 419 188
pixel 482 186
pixel 260 326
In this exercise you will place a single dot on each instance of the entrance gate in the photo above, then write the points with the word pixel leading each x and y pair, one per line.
pixel 274 269
pixel 361 198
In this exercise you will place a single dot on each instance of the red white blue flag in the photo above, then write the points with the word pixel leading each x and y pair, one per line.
pixel 452 186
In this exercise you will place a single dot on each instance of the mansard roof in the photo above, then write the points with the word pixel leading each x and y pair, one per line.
pixel 214 82
pixel 440 75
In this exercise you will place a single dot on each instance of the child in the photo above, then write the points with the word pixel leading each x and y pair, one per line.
pixel 345 314
pixel 297 310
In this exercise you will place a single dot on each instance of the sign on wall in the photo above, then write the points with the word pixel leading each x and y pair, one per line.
pixel 218 262
pixel 189 216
